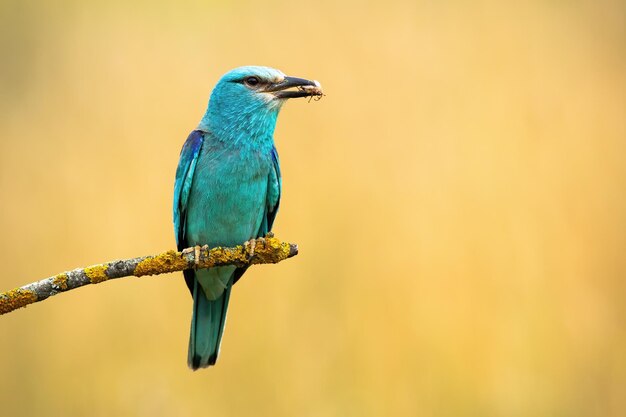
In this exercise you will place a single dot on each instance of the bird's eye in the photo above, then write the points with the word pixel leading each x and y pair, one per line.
pixel 252 81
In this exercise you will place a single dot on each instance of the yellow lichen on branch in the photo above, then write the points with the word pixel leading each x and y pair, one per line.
pixel 168 261
pixel 60 281
pixel 258 251
pixel 96 273
pixel 14 299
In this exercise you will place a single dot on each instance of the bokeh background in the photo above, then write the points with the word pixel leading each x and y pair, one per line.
pixel 458 198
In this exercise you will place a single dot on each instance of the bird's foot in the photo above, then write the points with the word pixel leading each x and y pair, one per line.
pixel 250 245
pixel 196 253
pixel 198 250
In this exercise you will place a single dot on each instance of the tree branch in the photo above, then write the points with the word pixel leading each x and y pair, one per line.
pixel 268 250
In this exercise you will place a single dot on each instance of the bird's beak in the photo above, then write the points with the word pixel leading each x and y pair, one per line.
pixel 292 87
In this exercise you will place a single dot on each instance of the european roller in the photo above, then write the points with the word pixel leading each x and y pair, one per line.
pixel 228 187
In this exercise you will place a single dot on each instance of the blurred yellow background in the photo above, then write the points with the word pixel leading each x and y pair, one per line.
pixel 458 198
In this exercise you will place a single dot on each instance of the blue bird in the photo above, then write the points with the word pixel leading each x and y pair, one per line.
pixel 228 187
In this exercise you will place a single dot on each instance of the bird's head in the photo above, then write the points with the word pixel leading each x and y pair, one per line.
pixel 246 101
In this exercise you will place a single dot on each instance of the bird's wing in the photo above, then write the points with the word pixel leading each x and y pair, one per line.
pixel 182 186
pixel 272 201
pixel 274 187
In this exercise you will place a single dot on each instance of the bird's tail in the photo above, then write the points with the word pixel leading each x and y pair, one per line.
pixel 207 327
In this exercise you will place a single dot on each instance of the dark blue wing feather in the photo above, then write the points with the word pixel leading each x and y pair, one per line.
pixel 272 198
pixel 182 186
pixel 274 190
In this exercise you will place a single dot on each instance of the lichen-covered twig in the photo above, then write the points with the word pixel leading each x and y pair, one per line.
pixel 266 250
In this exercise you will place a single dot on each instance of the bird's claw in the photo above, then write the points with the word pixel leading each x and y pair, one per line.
pixel 250 245
pixel 196 256
pixel 198 250
pixel 196 253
